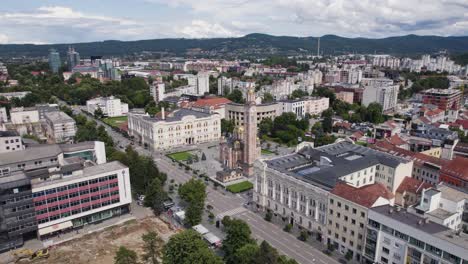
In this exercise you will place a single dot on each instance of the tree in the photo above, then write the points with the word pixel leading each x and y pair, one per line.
pixel 266 254
pixel 151 247
pixel 236 96
pixel 155 196
pixel 237 236
pixel 125 256
pixel 267 98
pixel 265 127
pixel 246 254
pixel 327 122
pixel 374 113
pixel 227 126
pixel 194 193
pixel 299 93
pixel 188 247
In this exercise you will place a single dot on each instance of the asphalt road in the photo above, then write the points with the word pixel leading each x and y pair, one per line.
pixel 225 203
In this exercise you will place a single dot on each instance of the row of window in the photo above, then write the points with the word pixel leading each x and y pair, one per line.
pixel 78 211
pixel 74 203
pixel 74 185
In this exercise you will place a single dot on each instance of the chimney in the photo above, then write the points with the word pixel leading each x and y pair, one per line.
pixel 163 116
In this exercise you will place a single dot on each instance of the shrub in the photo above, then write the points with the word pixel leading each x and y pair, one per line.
pixel 268 216
pixel 304 235
pixel 240 187
pixel 287 228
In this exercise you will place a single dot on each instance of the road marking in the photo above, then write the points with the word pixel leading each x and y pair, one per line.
pixel 232 212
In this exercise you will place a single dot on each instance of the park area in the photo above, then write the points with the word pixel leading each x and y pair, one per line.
pixel 100 247
pixel 116 122
pixel 240 187
pixel 180 156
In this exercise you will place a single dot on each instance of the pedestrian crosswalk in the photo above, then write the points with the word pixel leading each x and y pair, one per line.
pixel 232 212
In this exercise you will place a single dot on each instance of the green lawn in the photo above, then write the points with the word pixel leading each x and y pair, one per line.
pixel 267 152
pixel 240 187
pixel 180 156
pixel 115 121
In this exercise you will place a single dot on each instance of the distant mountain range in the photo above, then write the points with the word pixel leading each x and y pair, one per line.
pixel 252 45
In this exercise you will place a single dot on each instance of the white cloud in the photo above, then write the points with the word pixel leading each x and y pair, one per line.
pixel 230 18
pixel 204 29
pixel 3 39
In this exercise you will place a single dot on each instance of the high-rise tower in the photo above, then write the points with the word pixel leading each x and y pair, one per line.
pixel 54 61
pixel 251 151
pixel 73 58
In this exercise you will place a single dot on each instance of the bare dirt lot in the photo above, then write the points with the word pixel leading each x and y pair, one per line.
pixel 100 247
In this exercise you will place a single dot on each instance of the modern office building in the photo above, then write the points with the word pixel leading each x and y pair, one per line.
pixel 48 189
pixel 54 61
pixel 181 127
pixel 73 58
pixel 396 236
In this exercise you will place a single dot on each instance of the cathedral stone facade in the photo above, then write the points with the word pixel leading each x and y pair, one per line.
pixel 242 148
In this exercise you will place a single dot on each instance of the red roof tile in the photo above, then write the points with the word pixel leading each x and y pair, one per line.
pixel 458 167
pixel 412 185
pixel 214 102
pixel 463 123
pixel 365 196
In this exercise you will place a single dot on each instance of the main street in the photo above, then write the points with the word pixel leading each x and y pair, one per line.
pixel 226 203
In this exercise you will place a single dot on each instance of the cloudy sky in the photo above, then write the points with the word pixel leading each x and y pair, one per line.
pixel 66 21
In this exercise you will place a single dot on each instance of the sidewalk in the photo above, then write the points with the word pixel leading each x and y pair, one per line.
pixel 311 240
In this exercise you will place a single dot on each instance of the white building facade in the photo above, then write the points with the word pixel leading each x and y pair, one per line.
pixel 110 106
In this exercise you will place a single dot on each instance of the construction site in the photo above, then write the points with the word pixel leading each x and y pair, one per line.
pixel 97 247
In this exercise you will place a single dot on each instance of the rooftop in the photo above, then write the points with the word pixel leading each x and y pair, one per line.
pixel 33 153
pixel 365 196
pixel 419 223
pixel 9 133
pixel 58 117
pixel 178 114
pixel 324 166
pixel 441 91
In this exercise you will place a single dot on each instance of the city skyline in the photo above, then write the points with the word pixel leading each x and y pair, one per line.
pixel 52 21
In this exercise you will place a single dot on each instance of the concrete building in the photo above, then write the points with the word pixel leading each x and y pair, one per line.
pixel 110 106
pixel 10 141
pixel 60 127
pixel 345 97
pixel 11 95
pixel 316 105
pixel 347 215
pixel 47 189
pixel 179 128
pixel 296 186
pixel 3 115
pixel 21 115
pixel 157 91
pixel 443 205
pixel 380 91
pixel 73 58
pixel 397 236
pixel 296 106
pixel 445 99
pixel 235 112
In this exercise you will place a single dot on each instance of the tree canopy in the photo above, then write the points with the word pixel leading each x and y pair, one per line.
pixel 187 247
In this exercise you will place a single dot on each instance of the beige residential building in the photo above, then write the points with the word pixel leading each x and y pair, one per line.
pixel 236 112
pixel 347 215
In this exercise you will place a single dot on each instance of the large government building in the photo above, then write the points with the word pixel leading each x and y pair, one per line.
pixel 181 127
pixel 297 186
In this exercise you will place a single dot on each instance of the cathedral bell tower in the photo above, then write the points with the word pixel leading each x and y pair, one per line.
pixel 250 133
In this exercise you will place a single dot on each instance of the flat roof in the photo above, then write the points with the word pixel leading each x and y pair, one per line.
pixel 87 172
pixel 417 222
pixel 33 153
pixel 57 116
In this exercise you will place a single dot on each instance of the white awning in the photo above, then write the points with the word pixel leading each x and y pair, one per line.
pixel 54 228
pixel 200 229
pixel 212 239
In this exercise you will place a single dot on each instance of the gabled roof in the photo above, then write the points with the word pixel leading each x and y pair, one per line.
pixel 412 185
pixel 211 102
pixel 365 196
pixel 463 123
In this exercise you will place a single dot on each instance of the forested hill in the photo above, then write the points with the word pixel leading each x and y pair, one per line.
pixel 254 44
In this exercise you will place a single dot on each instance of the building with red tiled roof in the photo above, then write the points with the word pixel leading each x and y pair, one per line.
pixel 425 168
pixel 409 191
pixel 347 215
pixel 211 104
pixel 456 172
